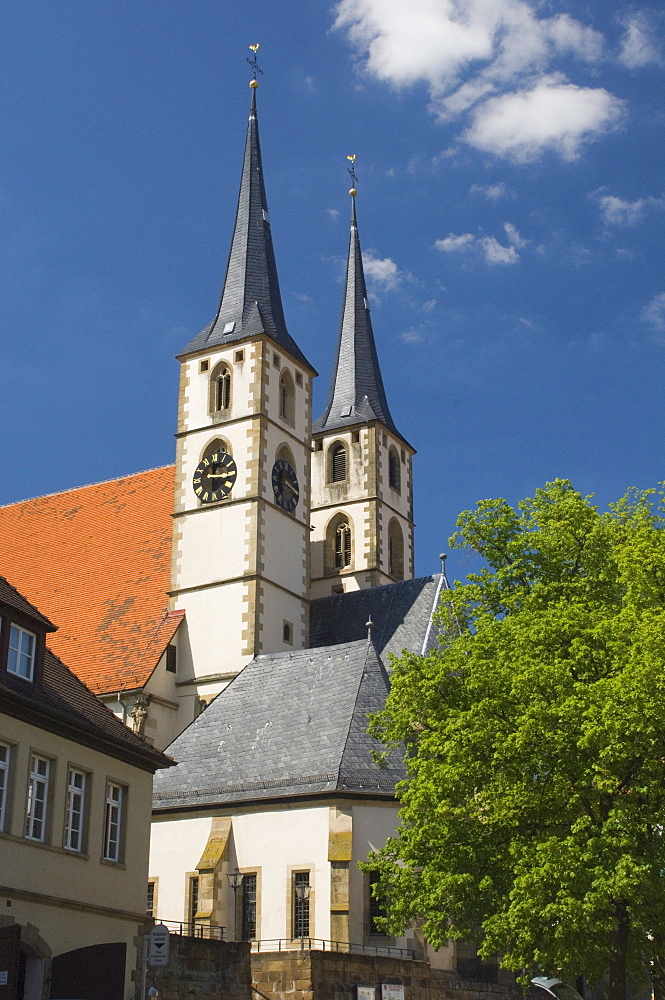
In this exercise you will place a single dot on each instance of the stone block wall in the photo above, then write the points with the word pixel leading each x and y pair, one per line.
pixel 201 969
pixel 319 975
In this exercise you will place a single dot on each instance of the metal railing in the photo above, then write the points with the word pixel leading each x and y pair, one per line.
pixel 194 929
pixel 319 944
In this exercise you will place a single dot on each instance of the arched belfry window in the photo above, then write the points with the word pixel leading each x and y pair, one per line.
pixel 337 470
pixel 287 397
pixel 395 550
pixel 220 389
pixel 339 544
pixel 342 545
pixel 394 471
pixel 215 446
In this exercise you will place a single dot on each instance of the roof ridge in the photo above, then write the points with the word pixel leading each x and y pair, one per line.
pixel 371 648
pixel 88 486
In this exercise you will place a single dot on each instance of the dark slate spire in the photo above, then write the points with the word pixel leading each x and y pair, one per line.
pixel 356 393
pixel 251 302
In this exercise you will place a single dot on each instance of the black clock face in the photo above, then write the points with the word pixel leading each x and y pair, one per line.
pixel 285 485
pixel 214 477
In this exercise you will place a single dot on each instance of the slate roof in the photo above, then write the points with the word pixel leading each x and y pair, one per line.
pixel 97 560
pixel 356 392
pixel 290 724
pixel 251 302
pixel 401 613
pixel 62 704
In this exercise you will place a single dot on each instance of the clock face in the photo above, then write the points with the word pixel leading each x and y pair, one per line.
pixel 285 485
pixel 214 477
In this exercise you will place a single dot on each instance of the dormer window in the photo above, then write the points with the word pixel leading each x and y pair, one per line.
pixel 21 653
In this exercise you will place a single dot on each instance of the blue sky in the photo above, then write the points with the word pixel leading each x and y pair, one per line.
pixel 511 209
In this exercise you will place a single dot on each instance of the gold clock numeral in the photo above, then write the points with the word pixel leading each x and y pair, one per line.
pixel 199 491
pixel 205 496
pixel 198 480
pixel 228 485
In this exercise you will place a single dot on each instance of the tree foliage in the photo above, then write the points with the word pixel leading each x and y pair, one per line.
pixel 532 814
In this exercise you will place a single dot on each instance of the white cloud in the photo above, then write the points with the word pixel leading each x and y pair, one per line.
pixel 637 45
pixel 428 305
pixel 301 297
pixel 492 250
pixel 654 313
pixel 382 272
pixel 412 336
pixel 451 243
pixel 551 115
pixel 497 254
pixel 513 235
pixel 618 212
pixel 480 54
pixel 493 192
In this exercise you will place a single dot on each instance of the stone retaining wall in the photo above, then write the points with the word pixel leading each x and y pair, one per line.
pixel 202 969
pixel 319 975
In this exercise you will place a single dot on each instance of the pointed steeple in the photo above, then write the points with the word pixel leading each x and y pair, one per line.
pixel 251 302
pixel 356 392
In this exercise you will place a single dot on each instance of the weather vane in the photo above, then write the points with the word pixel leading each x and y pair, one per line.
pixel 352 172
pixel 253 62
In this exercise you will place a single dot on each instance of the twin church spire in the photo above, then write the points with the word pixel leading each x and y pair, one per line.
pixel 251 302
pixel 356 392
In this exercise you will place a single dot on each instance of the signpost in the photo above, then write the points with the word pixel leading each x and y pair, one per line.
pixel 155 952
pixel 158 945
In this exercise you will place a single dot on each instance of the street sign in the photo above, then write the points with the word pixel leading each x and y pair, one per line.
pixel 158 945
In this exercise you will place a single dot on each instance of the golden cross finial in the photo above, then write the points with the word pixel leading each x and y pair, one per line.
pixel 253 62
pixel 352 172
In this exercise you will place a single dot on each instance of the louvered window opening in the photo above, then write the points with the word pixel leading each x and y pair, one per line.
pixel 223 400
pixel 377 907
pixel 301 905
pixel 394 475
pixel 342 546
pixel 339 464
pixel 249 907
pixel 193 898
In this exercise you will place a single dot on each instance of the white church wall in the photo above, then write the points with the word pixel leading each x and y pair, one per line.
pixel 278 841
pixel 271 841
pixel 175 848
pixel 216 643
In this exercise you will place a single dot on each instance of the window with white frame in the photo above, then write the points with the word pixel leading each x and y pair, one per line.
pixel 75 809
pixel 35 817
pixel 21 656
pixel 113 821
pixel 4 783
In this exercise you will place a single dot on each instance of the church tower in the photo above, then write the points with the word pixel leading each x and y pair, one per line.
pixel 362 503
pixel 241 515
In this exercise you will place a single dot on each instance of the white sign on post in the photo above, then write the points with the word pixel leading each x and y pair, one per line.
pixel 158 945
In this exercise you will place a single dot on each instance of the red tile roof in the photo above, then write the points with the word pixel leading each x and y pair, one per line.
pixel 96 561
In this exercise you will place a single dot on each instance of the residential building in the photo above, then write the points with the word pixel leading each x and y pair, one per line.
pixel 75 790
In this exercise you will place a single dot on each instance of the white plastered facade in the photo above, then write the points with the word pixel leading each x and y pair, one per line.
pixel 240 566
pixel 368 502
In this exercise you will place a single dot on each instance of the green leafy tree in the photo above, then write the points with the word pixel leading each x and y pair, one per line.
pixel 532 815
